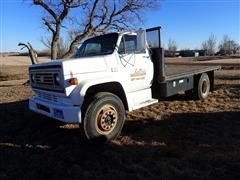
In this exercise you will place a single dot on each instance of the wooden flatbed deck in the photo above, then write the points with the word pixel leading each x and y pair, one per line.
pixel 175 71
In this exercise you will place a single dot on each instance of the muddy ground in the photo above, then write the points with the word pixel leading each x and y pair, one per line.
pixel 177 138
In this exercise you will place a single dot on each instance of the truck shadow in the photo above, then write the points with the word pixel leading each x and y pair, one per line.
pixel 184 145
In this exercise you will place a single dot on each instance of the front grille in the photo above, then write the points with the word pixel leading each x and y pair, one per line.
pixel 47 96
pixel 46 79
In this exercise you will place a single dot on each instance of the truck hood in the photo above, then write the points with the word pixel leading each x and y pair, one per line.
pixel 78 65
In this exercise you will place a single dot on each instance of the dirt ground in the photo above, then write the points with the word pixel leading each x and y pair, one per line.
pixel 177 138
pixel 16 67
pixel 19 60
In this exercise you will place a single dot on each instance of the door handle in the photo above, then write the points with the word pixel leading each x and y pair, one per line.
pixel 145 56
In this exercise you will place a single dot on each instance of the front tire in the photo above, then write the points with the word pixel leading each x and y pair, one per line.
pixel 104 117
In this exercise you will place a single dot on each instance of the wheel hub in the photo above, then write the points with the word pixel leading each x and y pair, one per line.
pixel 204 87
pixel 106 119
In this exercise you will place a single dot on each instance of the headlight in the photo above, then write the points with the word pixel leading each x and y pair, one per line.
pixel 57 79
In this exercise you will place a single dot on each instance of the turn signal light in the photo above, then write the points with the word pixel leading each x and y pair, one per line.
pixel 73 81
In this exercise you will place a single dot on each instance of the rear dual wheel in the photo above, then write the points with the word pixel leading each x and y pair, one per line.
pixel 201 89
pixel 104 117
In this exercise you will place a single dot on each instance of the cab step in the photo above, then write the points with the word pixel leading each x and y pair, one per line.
pixel 145 103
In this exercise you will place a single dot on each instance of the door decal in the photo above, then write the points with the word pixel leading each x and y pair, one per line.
pixel 138 74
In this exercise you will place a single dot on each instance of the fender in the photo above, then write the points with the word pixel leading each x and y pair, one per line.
pixel 79 92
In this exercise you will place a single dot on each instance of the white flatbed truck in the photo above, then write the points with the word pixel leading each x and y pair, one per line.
pixel 109 75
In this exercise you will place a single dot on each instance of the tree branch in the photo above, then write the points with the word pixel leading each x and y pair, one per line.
pixel 73 4
pixel 74 44
pixel 91 16
pixel 46 7
pixel 32 53
pixel 48 24
pixel 64 12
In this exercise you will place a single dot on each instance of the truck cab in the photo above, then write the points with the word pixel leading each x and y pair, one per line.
pixel 109 74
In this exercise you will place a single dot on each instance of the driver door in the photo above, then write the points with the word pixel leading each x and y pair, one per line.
pixel 136 63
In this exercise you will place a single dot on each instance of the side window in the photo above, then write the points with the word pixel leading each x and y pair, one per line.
pixel 128 44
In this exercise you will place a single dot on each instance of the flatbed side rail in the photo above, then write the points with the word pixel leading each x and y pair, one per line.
pixel 194 71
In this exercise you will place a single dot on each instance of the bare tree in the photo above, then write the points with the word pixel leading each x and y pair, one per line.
pixel 228 46
pixel 97 16
pixel 210 45
pixel 172 47
pixel 32 53
pixel 62 47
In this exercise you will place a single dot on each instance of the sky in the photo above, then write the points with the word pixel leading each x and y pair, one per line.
pixel 188 22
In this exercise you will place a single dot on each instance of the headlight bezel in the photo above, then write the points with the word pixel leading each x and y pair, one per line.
pixel 57 79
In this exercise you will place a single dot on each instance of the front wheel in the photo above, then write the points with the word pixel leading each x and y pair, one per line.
pixel 104 117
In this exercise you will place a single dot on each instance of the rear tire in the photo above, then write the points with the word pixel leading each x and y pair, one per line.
pixel 104 117
pixel 203 87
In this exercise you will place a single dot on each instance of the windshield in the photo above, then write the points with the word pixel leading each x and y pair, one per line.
pixel 99 45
